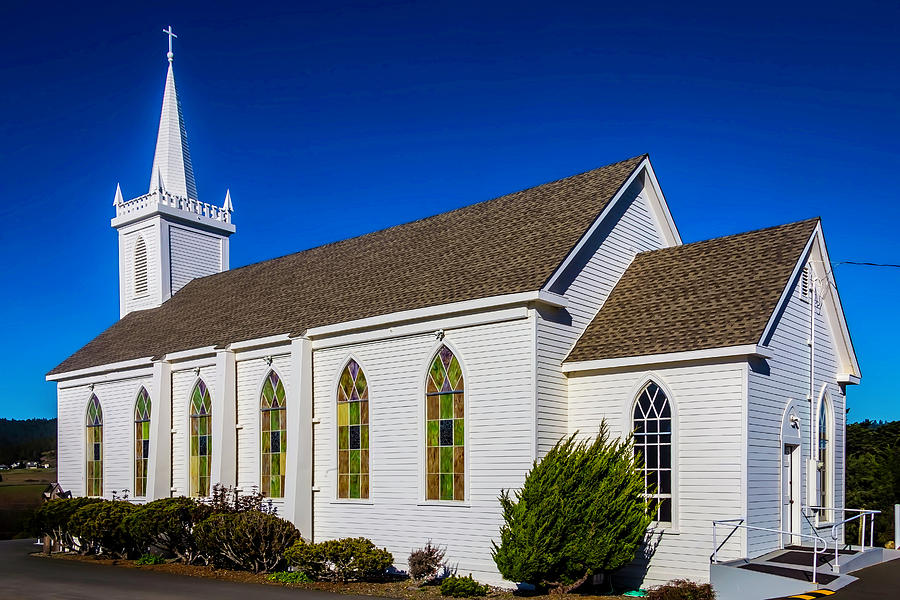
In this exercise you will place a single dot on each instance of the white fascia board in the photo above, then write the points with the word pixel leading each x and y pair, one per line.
pixel 786 292
pixel 441 310
pixel 668 357
pixel 837 306
pixel 192 353
pixel 448 323
pixel 663 206
pixel 644 165
pixel 100 369
pixel 817 239
pixel 847 378
pixel 272 340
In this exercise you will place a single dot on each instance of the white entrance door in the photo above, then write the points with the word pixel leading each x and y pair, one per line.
pixel 790 492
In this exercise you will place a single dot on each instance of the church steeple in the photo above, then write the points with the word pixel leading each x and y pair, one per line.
pixel 167 236
pixel 172 170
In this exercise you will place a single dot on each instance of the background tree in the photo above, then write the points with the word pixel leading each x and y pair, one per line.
pixel 581 511
pixel 873 475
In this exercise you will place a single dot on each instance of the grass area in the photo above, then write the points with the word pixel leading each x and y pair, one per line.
pixel 20 493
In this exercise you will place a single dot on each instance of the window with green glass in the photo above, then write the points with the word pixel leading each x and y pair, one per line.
pixel 353 432
pixel 445 457
pixel 94 448
pixel 273 426
pixel 201 439
pixel 141 442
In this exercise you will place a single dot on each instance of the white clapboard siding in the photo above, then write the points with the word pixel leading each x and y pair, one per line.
pixel 117 400
pixel 182 386
pixel 708 453
pixel 497 363
pixel 250 376
pixel 769 396
pixel 612 248
pixel 193 254
pixel 150 235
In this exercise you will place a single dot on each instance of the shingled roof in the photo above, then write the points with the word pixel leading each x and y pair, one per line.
pixel 510 244
pixel 710 294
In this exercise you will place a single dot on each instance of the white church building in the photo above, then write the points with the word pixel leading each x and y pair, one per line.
pixel 391 385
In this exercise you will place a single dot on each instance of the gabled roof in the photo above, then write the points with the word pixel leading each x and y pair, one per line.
pixel 711 294
pixel 503 246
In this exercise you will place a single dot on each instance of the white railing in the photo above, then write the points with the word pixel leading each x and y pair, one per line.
pixel 839 526
pixel 156 198
pixel 736 524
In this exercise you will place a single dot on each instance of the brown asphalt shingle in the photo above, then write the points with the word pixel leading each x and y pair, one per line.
pixel 502 246
pixel 710 294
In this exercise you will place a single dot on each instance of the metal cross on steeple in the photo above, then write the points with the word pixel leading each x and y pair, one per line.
pixel 171 35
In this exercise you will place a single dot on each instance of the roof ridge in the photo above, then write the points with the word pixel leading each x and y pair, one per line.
pixel 420 220
pixel 731 236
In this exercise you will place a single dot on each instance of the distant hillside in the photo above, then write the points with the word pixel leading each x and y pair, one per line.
pixel 26 439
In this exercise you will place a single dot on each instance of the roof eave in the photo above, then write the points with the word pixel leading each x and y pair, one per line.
pixel 725 352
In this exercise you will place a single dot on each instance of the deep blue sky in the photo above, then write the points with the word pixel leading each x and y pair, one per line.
pixel 336 118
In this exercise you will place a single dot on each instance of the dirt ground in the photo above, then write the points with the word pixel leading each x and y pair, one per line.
pixel 401 588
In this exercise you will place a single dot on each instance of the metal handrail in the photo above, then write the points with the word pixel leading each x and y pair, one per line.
pixel 862 514
pixel 739 523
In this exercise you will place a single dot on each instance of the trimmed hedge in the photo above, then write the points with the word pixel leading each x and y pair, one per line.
pixel 101 527
pixel 251 541
pixel 168 524
pixel 347 559
pixel 52 519
pixel 462 587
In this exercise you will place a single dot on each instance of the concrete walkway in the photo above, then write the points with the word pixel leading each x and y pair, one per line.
pixel 26 577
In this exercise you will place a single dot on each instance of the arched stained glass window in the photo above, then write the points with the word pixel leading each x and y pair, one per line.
pixel 141 442
pixel 824 457
pixel 353 432
pixel 201 439
pixel 653 447
pixel 94 447
pixel 273 425
pixel 445 428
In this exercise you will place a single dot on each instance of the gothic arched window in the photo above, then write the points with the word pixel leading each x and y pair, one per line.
pixel 653 448
pixel 140 267
pixel 273 426
pixel 445 460
pixel 824 455
pixel 94 448
pixel 141 442
pixel 201 439
pixel 353 432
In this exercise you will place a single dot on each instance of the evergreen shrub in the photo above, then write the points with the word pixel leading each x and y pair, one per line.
pixel 101 527
pixel 52 519
pixel 169 524
pixel 462 587
pixel 250 540
pixel 289 577
pixel 580 511
pixel 150 559
pixel 347 559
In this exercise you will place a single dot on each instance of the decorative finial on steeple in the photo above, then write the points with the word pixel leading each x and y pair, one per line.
pixel 171 34
pixel 118 200
pixel 227 206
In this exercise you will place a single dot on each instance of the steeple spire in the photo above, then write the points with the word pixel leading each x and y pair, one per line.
pixel 172 169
